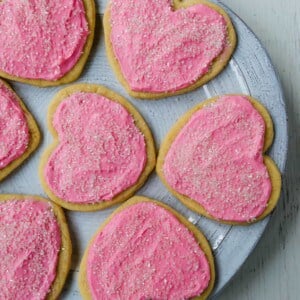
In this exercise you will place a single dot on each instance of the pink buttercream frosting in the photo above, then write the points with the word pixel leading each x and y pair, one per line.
pixel 159 49
pixel 41 39
pixel 30 242
pixel 217 160
pixel 14 132
pixel 144 252
pixel 101 152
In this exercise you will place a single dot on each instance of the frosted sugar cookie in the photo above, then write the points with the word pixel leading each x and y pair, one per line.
pixel 159 48
pixel 146 250
pixel 103 149
pixel 213 160
pixel 45 43
pixel 19 134
pixel 35 248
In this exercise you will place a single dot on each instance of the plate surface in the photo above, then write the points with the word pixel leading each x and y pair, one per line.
pixel 249 71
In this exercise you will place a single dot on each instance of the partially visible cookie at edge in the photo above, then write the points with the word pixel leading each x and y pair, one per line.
pixel 19 133
pixel 35 248
pixel 103 150
pixel 157 254
pixel 52 44
pixel 163 48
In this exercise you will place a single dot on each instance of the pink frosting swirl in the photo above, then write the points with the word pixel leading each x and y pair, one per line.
pixel 160 49
pixel 14 132
pixel 101 152
pixel 217 160
pixel 144 252
pixel 41 39
pixel 30 242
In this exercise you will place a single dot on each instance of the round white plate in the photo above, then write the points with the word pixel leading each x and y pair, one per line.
pixel 249 71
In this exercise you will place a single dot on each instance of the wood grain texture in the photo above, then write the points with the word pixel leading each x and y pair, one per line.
pixel 273 269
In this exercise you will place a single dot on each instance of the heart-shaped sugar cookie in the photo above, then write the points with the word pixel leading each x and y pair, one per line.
pixel 19 134
pixel 45 43
pixel 35 248
pixel 146 250
pixel 103 150
pixel 162 47
pixel 212 160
